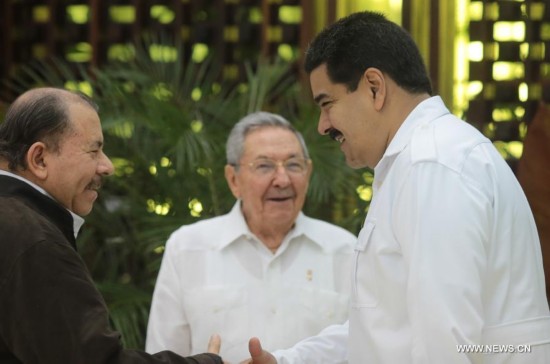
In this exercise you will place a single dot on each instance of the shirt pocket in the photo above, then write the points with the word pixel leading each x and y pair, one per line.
pixel 219 310
pixel 324 306
pixel 364 285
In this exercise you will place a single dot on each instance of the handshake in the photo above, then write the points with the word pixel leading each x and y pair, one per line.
pixel 257 354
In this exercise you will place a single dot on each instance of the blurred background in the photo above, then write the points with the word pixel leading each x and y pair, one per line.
pixel 173 76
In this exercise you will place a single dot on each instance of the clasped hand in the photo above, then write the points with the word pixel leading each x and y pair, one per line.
pixel 257 354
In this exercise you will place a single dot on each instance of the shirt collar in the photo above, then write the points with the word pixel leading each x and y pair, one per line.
pixel 234 227
pixel 77 220
pixel 237 227
pixel 306 226
pixel 424 112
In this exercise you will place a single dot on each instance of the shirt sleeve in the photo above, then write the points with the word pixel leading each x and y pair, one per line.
pixel 442 221
pixel 58 316
pixel 330 346
pixel 168 328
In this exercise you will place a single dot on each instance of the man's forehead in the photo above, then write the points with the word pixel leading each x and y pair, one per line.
pixel 273 150
pixel 84 121
pixel 320 83
pixel 266 133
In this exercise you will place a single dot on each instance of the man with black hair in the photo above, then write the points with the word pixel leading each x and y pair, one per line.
pixel 448 266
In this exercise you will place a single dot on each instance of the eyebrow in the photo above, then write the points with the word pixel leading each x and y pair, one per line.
pixel 319 98
pixel 96 144
pixel 291 155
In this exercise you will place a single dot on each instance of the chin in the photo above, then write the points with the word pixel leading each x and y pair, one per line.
pixel 83 210
pixel 82 213
pixel 284 215
pixel 355 164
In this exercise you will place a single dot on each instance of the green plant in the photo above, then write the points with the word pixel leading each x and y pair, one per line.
pixel 166 120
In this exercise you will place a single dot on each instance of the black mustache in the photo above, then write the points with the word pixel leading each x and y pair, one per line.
pixel 334 133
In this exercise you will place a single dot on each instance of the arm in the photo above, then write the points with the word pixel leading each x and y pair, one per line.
pixel 442 221
pixel 328 347
pixel 58 316
pixel 167 328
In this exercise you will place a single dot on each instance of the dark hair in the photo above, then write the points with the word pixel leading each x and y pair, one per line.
pixel 38 115
pixel 367 39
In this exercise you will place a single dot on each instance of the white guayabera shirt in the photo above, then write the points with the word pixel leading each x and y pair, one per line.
pixel 448 267
pixel 217 277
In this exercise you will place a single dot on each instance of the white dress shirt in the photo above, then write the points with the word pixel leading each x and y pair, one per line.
pixel 448 255
pixel 217 277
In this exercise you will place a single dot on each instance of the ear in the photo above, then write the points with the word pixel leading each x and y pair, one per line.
pixel 36 160
pixel 309 172
pixel 231 178
pixel 376 82
pixel 310 169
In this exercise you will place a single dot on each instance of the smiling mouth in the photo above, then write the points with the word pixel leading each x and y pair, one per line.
pixel 279 199
pixel 336 135
pixel 94 186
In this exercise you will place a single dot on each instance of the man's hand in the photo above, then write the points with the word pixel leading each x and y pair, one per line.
pixel 257 354
pixel 214 344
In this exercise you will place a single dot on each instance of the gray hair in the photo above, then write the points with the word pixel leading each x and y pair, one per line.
pixel 261 119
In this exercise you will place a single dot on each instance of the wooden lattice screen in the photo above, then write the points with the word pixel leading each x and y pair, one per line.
pixel 513 70
pixel 89 31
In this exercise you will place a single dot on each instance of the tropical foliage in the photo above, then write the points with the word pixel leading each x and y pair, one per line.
pixel 166 119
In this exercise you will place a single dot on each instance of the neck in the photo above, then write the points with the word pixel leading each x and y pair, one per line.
pixel 400 106
pixel 272 242
pixel 24 173
pixel 271 236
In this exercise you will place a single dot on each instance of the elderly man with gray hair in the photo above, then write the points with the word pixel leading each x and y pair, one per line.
pixel 262 269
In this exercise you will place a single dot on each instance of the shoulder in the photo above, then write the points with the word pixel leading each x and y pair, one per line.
pixel 201 235
pixel 29 238
pixel 330 236
pixel 24 226
pixel 447 140
pixel 453 147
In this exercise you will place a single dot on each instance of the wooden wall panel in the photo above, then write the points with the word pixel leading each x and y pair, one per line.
pixel 87 31
pixel 514 70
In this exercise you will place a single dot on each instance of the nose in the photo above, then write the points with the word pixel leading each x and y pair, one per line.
pixel 324 125
pixel 105 167
pixel 281 178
